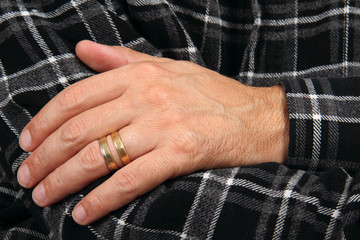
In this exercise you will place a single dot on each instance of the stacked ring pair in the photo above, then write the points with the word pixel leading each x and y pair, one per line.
pixel 120 148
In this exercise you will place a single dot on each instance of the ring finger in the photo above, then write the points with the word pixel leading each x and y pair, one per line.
pixel 89 165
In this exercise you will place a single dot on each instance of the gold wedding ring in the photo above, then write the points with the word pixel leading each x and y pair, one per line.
pixel 120 148
pixel 104 148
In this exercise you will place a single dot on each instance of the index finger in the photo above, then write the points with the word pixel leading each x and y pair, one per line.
pixel 73 100
pixel 87 93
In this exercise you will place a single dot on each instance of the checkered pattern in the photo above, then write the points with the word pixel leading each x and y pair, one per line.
pixel 311 47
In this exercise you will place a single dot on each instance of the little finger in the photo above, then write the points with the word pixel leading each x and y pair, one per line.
pixel 125 185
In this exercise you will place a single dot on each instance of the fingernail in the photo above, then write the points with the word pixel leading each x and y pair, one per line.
pixel 24 176
pixel 39 193
pixel 25 140
pixel 79 214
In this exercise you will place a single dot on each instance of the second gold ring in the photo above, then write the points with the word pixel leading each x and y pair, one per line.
pixel 104 148
pixel 120 148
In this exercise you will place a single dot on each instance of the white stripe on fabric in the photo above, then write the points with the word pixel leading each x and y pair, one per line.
pixel 324 96
pixel 41 42
pixel 39 65
pixel 314 18
pixel 296 37
pixel 149 230
pixel 316 124
pixel 135 42
pixel 316 69
pixel 277 193
pixel 65 212
pixel 219 43
pixel 72 77
pixel 195 204
pixel 27 231
pixel 6 120
pixel 8 98
pixel 4 78
pixel 57 12
pixel 339 207
pixel 205 20
pixel 254 38
pixel 5 101
pixel 279 226
pixel 98 235
pixel 42 87
pixel 8 191
pixel 346 38
pixel 200 16
pixel 15 166
pixel 112 24
pixel 265 22
pixel 354 198
pixel 47 211
pixel 331 118
pixel 110 6
pixel 229 182
pixel 121 222
pixel 190 44
pixel 83 20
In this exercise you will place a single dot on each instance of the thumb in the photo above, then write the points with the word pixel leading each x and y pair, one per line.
pixel 103 58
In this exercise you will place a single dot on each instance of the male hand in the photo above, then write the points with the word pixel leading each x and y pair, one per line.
pixel 174 118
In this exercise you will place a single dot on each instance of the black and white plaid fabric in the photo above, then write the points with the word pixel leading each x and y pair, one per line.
pixel 312 47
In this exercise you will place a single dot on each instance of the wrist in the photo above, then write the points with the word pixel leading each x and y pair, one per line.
pixel 274 123
pixel 279 118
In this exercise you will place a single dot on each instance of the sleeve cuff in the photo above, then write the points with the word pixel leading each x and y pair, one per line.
pixel 324 123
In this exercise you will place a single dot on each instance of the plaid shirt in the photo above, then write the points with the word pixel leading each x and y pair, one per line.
pixel 312 47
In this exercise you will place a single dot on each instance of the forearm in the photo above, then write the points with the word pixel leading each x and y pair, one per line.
pixel 270 121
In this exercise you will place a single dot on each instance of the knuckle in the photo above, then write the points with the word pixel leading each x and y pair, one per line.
pixel 38 161
pixel 39 124
pixel 148 67
pixel 90 158
pixel 187 143
pixel 95 202
pixel 54 182
pixel 126 182
pixel 158 95
pixel 72 97
pixel 74 130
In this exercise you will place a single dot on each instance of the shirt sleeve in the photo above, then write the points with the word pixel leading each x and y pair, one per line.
pixel 324 126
